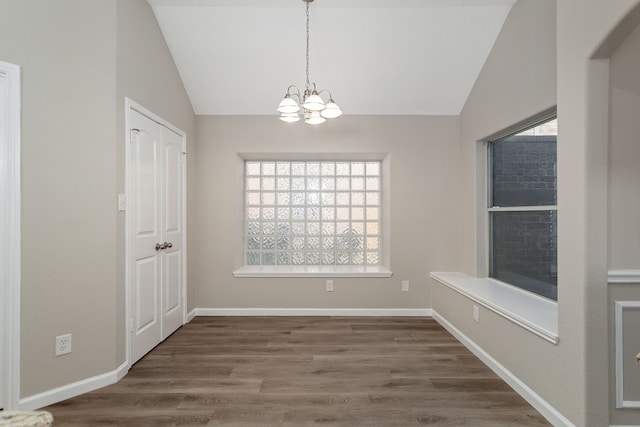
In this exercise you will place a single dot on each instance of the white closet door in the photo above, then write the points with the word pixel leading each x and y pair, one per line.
pixel 145 232
pixel 172 220
pixel 156 232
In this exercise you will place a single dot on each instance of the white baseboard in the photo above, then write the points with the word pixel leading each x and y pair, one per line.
pixel 191 315
pixel 549 412
pixel 405 312
pixel 68 391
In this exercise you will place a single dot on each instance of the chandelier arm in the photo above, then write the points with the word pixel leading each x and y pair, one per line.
pixel 297 92
pixel 326 90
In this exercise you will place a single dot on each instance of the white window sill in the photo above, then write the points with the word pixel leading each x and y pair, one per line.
pixel 535 314
pixel 312 271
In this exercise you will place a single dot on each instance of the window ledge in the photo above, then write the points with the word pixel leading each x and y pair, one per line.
pixel 311 271
pixel 535 314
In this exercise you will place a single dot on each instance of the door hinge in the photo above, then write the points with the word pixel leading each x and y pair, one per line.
pixel 131 325
pixel 131 132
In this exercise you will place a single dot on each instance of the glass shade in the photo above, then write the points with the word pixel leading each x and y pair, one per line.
pixel 331 111
pixel 313 102
pixel 289 117
pixel 314 118
pixel 288 106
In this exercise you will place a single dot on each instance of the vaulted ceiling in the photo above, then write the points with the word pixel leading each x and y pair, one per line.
pixel 410 57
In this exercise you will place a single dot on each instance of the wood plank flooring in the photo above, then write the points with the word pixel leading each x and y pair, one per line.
pixel 298 371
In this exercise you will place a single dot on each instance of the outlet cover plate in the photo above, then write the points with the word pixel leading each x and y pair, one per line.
pixel 63 344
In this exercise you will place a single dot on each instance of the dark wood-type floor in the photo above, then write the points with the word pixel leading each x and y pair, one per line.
pixel 296 371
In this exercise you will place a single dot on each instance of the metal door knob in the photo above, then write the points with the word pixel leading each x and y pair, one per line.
pixel 164 245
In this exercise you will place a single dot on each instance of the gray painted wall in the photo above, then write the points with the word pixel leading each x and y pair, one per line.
pixel 624 195
pixel 624 156
pixel 77 65
pixel 519 81
pixel 583 111
pixel 68 184
pixel 423 193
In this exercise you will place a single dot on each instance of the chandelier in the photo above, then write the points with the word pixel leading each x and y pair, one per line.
pixel 315 110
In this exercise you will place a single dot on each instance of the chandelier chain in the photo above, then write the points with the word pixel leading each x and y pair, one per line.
pixel 307 1
pixel 314 108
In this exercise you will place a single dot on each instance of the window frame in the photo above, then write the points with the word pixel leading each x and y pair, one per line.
pixel 380 270
pixel 489 208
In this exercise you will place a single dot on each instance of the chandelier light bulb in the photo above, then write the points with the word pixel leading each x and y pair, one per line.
pixel 331 110
pixel 313 102
pixel 289 117
pixel 314 118
pixel 288 105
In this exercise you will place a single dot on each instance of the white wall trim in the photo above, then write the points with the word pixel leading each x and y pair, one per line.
pixel 624 276
pixel 77 388
pixel 545 408
pixel 404 312
pixel 191 315
pixel 10 238
pixel 620 307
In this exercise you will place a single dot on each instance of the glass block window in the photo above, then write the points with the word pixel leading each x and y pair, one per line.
pixel 522 209
pixel 312 212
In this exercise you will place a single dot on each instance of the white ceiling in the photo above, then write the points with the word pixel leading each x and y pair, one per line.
pixel 408 57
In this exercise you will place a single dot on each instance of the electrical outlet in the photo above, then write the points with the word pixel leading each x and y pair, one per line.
pixel 63 344
pixel 405 286
pixel 476 314
pixel 329 285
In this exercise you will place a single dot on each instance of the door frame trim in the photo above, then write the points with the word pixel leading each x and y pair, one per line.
pixel 131 105
pixel 10 251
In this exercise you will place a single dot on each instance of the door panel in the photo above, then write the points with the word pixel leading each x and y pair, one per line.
pixel 146 175
pixel 146 283
pixel 145 232
pixel 173 161
pixel 172 273
pixel 173 181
